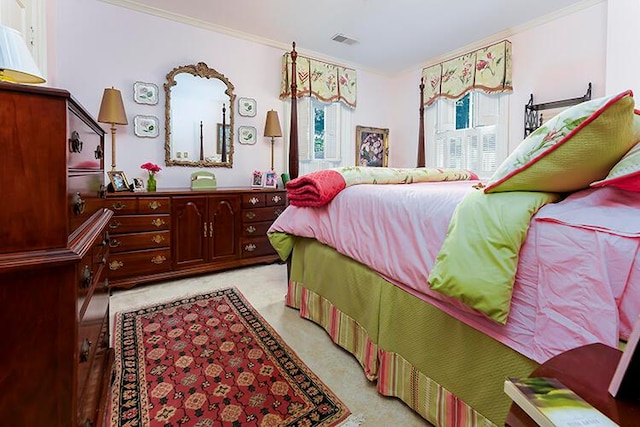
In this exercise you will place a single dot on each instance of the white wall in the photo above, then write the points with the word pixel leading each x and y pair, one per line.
pixel 623 61
pixel 100 45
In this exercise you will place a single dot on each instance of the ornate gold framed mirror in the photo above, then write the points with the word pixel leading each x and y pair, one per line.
pixel 199 114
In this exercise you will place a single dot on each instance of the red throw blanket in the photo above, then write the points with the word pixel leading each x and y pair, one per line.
pixel 315 189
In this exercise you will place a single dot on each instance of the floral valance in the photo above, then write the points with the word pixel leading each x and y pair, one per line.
pixel 322 80
pixel 487 69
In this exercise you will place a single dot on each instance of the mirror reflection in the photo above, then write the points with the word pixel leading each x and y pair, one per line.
pixel 199 115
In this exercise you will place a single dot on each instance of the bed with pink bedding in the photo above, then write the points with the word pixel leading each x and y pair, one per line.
pixel 576 282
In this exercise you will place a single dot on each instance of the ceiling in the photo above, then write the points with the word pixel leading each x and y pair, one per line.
pixel 393 35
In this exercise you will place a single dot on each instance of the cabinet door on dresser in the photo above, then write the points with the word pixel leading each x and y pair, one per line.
pixel 205 229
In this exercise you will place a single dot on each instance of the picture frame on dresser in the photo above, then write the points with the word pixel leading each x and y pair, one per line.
pixel 118 181
pixel 256 178
pixel 270 179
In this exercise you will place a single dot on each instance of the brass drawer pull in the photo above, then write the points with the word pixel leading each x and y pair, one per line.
pixel 158 222
pixel 250 215
pixel 159 259
pixel 78 204
pixel 115 265
pixel 103 261
pixel 84 350
pixel 211 229
pixel 154 205
pixel 205 229
pixel 254 200
pixel 250 229
pixel 157 239
pixel 114 243
pixel 250 247
pixel 118 206
pixel 278 212
pixel 276 199
pixel 114 224
pixel 105 286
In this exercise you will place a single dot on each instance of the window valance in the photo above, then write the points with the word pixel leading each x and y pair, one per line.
pixel 487 69
pixel 322 80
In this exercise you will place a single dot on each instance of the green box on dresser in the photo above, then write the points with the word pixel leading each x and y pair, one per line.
pixel 176 233
pixel 55 362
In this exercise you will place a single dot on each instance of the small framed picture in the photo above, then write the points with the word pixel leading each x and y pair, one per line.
pixel 372 146
pixel 118 181
pixel 145 93
pixel 247 135
pixel 247 107
pixel 256 179
pixel 270 179
pixel 138 184
pixel 145 126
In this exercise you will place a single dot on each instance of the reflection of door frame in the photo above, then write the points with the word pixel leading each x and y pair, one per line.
pixel 28 17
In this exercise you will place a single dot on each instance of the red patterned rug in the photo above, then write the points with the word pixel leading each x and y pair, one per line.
pixel 212 360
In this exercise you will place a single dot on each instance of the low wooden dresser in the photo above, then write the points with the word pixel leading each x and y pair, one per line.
pixel 170 234
pixel 55 360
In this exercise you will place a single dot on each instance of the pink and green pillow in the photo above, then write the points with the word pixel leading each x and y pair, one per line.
pixel 573 149
pixel 625 174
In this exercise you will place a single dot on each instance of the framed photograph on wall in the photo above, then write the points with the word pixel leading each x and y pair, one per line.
pixel 372 146
pixel 256 179
pixel 227 138
pixel 118 181
pixel 145 93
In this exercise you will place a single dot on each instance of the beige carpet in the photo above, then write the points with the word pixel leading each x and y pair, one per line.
pixel 265 287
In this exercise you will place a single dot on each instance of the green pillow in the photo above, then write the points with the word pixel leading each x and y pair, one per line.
pixel 478 259
pixel 573 149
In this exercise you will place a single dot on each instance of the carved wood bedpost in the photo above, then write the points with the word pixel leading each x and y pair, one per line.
pixel 293 132
pixel 421 157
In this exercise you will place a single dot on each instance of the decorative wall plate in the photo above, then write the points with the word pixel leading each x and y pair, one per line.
pixel 247 107
pixel 145 126
pixel 145 93
pixel 247 135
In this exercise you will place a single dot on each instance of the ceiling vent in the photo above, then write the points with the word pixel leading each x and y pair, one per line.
pixel 341 38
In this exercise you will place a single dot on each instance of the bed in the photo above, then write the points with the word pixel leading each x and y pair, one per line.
pixel 365 260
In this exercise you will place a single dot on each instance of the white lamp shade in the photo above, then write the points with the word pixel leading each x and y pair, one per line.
pixel 16 63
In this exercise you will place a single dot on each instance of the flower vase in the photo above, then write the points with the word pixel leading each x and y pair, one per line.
pixel 151 183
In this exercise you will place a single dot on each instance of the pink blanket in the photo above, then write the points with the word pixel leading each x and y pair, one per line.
pixel 315 189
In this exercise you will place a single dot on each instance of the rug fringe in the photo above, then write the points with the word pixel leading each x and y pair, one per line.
pixel 352 421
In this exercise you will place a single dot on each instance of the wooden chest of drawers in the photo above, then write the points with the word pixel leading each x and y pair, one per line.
pixel 54 299
pixel 140 236
pixel 176 233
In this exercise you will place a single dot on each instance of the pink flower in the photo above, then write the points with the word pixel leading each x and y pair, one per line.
pixel 482 64
pixel 152 168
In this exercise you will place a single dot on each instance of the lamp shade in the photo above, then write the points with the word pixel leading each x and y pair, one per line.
pixel 111 108
pixel 272 125
pixel 16 63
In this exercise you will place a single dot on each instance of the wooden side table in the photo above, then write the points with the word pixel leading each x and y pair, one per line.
pixel 586 370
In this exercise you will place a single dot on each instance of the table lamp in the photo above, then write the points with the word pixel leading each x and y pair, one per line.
pixel 272 129
pixel 112 111
pixel 16 63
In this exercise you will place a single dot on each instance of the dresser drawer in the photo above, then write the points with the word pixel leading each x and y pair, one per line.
pixel 137 241
pixel 135 223
pixel 256 247
pixel 255 229
pixel 255 200
pixel 123 206
pixel 261 214
pixel 275 199
pixel 90 334
pixel 83 145
pixel 83 198
pixel 131 264
pixel 96 381
pixel 154 205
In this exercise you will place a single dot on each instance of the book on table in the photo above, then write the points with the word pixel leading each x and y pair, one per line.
pixel 551 404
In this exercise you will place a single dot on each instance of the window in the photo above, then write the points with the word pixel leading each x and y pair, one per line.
pixel 468 133
pixel 324 137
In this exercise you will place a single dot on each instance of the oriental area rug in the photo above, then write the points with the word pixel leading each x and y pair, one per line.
pixel 212 360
